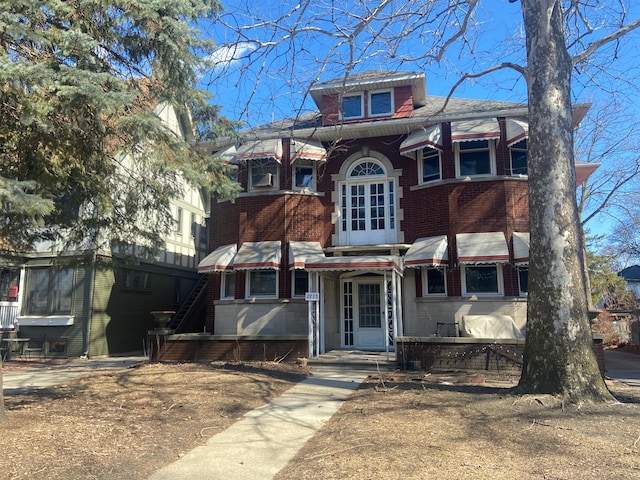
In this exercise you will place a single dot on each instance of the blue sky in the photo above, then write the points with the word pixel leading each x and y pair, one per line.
pixel 265 88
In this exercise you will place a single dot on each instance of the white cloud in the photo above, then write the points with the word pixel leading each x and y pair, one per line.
pixel 227 55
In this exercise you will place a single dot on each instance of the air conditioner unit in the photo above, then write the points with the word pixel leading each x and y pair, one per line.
pixel 263 181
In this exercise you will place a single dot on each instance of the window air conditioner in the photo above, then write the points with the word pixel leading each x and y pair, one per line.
pixel 263 181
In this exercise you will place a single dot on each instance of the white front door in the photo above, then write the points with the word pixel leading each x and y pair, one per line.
pixel 364 308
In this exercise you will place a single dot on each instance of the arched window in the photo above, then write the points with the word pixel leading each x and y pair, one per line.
pixel 367 205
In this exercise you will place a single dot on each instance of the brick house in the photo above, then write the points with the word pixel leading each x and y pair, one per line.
pixel 388 214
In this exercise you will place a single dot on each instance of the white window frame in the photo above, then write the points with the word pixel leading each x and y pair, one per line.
pixel 342 116
pixel 305 164
pixel 422 181
pixel 293 283
pixel 391 103
pixel 250 274
pixel 499 280
pixel 425 282
pixel 492 159
pixel 225 282
pixel 520 268
pixel 517 149
pixel 267 166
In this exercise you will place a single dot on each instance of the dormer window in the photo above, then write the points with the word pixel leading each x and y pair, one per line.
pixel 380 103
pixel 352 107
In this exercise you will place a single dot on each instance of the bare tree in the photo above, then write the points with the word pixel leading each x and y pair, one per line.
pixel 556 46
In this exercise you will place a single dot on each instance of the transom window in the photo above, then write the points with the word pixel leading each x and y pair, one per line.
pixel 263 174
pixel 352 106
pixel 380 103
pixel 519 158
pixel 482 280
pixel 367 169
pixel 476 157
pixel 430 165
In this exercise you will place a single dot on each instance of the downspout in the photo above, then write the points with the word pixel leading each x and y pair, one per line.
pixel 86 338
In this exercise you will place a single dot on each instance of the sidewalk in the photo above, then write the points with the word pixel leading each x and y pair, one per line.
pixel 262 443
pixel 41 376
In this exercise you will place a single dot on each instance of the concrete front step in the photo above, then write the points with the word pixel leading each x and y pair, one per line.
pixel 356 359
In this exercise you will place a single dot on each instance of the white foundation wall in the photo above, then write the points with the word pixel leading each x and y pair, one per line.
pixel 261 317
pixel 429 311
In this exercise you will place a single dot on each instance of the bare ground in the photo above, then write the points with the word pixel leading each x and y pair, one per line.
pixel 127 424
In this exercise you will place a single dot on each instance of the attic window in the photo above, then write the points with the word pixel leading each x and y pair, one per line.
pixel 352 106
pixel 380 103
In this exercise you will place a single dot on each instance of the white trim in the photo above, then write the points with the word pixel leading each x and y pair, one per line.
pixel 45 321
pixel 223 285
pixel 425 282
pixel 419 155
pixel 341 98
pixel 392 103
pixel 492 159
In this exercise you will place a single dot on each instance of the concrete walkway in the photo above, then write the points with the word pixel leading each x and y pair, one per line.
pixel 262 443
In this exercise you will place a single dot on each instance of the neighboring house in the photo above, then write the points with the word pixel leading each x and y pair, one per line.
pixel 400 218
pixel 632 276
pixel 105 311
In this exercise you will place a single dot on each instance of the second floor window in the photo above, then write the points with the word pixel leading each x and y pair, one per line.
pixel 352 107
pixel 263 174
pixel 380 103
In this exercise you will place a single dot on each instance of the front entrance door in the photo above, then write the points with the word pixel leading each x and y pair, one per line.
pixel 369 322
pixel 363 313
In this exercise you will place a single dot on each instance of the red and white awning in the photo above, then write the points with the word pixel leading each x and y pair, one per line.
pixel 258 255
pixel 304 149
pixel 259 149
pixel 482 248
pixel 369 263
pixel 229 155
pixel 301 253
pixel 520 248
pixel 479 129
pixel 429 137
pixel 516 130
pixel 220 260
pixel 428 252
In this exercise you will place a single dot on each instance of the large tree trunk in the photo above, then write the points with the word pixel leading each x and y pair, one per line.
pixel 558 357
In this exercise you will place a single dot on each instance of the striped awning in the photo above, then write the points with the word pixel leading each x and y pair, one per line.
pixel 229 155
pixel 516 130
pixel 482 248
pixel 220 260
pixel 427 252
pixel 369 263
pixel 303 149
pixel 479 129
pixel 258 255
pixel 259 149
pixel 302 252
pixel 429 137
pixel 520 248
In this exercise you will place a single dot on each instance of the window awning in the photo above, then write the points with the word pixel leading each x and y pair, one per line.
pixel 258 255
pixel 479 248
pixel 427 252
pixel 258 149
pixel 302 149
pixel 229 155
pixel 584 171
pixel 302 252
pixel 430 137
pixel 470 130
pixel 521 248
pixel 369 263
pixel 219 260
pixel 516 130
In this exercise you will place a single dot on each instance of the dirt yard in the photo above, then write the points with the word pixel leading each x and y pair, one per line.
pixel 127 424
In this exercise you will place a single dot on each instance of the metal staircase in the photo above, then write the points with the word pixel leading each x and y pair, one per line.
pixel 183 318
